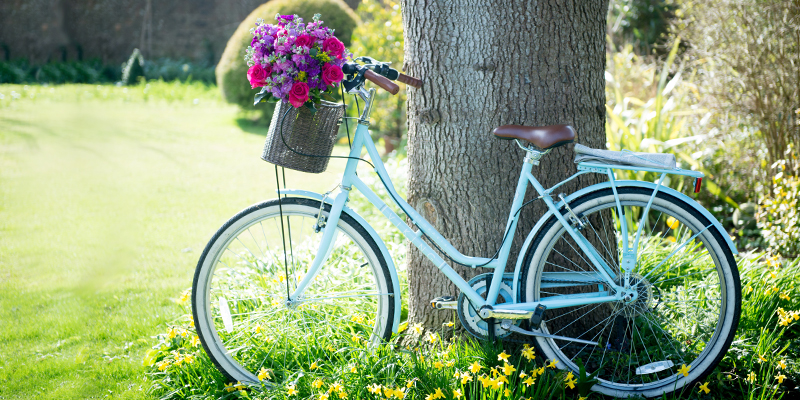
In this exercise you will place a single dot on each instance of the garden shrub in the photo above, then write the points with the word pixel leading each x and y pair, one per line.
pixel 779 214
pixel 232 68
pixel 133 68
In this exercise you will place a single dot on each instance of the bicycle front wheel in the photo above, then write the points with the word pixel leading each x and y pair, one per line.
pixel 688 296
pixel 247 271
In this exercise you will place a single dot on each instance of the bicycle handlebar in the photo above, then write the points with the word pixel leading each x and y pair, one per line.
pixel 381 76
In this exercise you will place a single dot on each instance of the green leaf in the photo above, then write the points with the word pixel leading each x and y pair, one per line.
pixel 311 107
pixel 260 95
pixel 313 52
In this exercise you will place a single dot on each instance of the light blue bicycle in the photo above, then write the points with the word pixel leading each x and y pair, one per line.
pixel 635 279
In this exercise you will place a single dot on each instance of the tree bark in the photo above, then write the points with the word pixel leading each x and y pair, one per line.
pixel 488 63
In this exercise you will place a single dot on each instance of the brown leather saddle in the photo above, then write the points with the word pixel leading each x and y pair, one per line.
pixel 543 137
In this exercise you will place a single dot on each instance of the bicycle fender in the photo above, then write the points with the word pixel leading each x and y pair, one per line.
pixel 381 246
pixel 606 185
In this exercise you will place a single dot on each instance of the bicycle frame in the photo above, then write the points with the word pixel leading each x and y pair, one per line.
pixel 609 290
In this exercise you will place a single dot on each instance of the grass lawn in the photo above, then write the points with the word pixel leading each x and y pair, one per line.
pixel 106 202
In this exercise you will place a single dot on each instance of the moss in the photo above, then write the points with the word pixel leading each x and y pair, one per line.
pixel 232 68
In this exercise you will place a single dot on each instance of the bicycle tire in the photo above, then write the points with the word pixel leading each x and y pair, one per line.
pixel 232 356
pixel 708 351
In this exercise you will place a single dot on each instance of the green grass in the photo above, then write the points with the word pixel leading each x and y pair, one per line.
pixel 107 197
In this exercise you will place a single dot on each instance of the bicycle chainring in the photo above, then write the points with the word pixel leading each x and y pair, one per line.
pixel 468 314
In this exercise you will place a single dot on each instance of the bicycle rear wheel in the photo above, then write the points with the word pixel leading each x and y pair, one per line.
pixel 242 281
pixel 688 294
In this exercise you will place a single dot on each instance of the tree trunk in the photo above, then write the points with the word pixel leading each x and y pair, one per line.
pixel 489 63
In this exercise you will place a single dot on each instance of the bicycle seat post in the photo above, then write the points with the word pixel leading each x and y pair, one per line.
pixel 532 154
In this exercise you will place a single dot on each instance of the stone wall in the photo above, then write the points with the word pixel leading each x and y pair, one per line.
pixel 61 30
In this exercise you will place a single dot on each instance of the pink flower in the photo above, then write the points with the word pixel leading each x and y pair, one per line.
pixel 257 75
pixel 331 74
pixel 299 94
pixel 333 47
pixel 304 41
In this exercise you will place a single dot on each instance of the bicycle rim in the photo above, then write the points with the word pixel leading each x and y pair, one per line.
pixel 687 287
pixel 240 291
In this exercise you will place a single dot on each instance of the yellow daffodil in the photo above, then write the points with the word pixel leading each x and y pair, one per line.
pixel 353 369
pixel 438 394
pixel 162 365
pixel 438 365
pixel 780 377
pixel 239 386
pixel 189 358
pixel 465 377
pixel 410 383
pixel 507 392
pixel 374 388
pixel 475 367
pixel 569 376
pixel 263 374
pixel 502 378
pixel 450 363
pixel 672 223
pixel 323 396
pixel 508 369
pixel 290 390
pixel 336 387
pixel 449 324
pixel 195 341
pixel 417 328
pixel 229 387
pixel 749 290
pixel 485 381
pixel 784 296
pixel 583 398
pixel 540 371
pixel 429 397
pixel 313 366
pixel 317 383
pixel 528 353
pixel 530 381
pixel 751 377
pixel 552 364
pixel 522 374
pixel 342 395
pixel 172 333
pixel 400 393
pixel 782 364
pixel 495 383
pixel 433 337
pixel 761 359
pixel 457 393
pixel 684 370
pixel 571 384
pixel 704 388
pixel 503 356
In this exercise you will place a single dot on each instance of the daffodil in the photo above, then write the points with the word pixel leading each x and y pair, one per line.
pixel 672 223
pixel 704 388
pixel 457 393
pixel 433 337
pixel 475 367
pixel 583 398
pixel 449 324
pixel 507 392
pixel 508 369
pixel 229 387
pixel 263 373
pixel 336 387
pixel 323 396
pixel 172 333
pixel 503 356
pixel 465 377
pixel 290 390
pixel 571 383
pixel 374 388
pixel 552 364
pixel 522 374
pixel 751 377
pixel 438 394
pixel 313 366
pixel 162 365
pixel 417 328
pixel 495 383
pixel 784 296
pixel 317 383
pixel 761 359
pixel 782 364
pixel 438 365
pixel 530 381
pixel 195 341
pixel 569 376
pixel 450 363
pixel 502 378
pixel 485 381
pixel 684 370
pixel 780 377
pixel 410 383
pixel 353 369
pixel 528 353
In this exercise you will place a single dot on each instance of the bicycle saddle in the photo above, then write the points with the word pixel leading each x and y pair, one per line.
pixel 543 137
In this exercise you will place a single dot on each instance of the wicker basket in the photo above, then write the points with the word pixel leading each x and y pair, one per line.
pixel 309 136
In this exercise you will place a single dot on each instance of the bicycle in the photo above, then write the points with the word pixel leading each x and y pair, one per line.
pixel 647 272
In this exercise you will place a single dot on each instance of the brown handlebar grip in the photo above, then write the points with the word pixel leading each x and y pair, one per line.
pixel 410 81
pixel 384 83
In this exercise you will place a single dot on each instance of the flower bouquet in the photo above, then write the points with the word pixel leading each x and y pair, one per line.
pixel 293 61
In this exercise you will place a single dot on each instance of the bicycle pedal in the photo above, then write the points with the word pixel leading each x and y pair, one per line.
pixel 538 315
pixel 443 302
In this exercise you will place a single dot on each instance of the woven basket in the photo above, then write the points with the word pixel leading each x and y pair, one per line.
pixel 310 134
